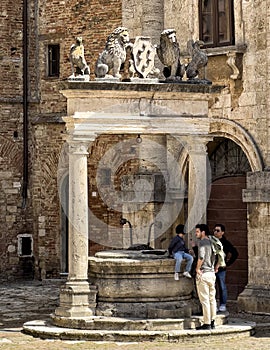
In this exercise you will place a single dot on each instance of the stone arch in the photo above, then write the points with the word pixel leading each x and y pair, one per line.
pixel 235 132
pixel 229 188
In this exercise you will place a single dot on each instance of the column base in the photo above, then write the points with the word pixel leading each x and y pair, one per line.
pixel 254 299
pixel 74 300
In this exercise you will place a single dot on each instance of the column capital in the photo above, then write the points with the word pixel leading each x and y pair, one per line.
pixel 76 147
pixel 197 144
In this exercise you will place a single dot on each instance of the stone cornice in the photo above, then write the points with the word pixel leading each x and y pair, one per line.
pixel 128 87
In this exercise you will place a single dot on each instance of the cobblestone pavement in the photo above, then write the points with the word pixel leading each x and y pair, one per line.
pixel 22 302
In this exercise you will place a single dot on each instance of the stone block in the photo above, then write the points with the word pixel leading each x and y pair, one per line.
pixel 254 299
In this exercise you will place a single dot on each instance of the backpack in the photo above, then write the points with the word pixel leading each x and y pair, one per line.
pixel 217 248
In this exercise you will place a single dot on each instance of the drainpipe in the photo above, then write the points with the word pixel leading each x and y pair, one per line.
pixel 25 104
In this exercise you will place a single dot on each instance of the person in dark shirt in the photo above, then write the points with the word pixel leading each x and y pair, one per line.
pixel 231 255
pixel 178 250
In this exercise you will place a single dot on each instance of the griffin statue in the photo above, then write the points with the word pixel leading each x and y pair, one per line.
pixel 77 60
pixel 199 58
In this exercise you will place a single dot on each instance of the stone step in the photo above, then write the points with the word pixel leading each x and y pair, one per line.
pixel 45 330
pixel 134 324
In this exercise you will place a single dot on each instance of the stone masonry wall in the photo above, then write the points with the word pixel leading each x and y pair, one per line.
pixel 257 197
pixel 246 98
pixel 250 105
pixel 11 221
pixel 47 141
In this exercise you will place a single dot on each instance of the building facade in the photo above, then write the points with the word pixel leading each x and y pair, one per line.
pixel 234 128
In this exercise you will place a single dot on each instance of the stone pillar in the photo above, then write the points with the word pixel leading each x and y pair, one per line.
pixel 152 20
pixel 198 182
pixel 74 297
pixel 256 295
pixel 152 23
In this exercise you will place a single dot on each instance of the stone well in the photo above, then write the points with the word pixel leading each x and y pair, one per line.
pixel 140 284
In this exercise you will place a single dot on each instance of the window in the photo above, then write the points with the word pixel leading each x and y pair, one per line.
pixel 25 245
pixel 216 22
pixel 53 60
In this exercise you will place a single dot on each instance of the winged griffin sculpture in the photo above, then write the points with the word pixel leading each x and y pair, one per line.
pixel 199 58
pixel 77 59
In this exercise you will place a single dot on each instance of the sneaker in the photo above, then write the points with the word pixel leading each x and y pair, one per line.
pixel 187 274
pixel 222 308
pixel 204 327
pixel 213 326
pixel 176 276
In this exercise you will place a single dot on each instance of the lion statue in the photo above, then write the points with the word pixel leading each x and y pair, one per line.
pixel 114 54
pixel 169 54
pixel 77 60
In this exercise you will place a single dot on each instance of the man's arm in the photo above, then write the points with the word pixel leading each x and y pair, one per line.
pixel 199 265
pixel 232 254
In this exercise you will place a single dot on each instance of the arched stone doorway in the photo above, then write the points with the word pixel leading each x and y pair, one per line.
pixel 229 166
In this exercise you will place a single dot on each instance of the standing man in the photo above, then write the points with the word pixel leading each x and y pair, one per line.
pixel 205 277
pixel 231 255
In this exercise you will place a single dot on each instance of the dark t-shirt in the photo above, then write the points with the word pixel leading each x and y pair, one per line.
pixel 177 245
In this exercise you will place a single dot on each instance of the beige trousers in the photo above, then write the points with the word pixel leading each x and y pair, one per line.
pixel 207 294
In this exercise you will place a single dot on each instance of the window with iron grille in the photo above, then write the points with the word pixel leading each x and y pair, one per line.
pixel 216 22
pixel 53 60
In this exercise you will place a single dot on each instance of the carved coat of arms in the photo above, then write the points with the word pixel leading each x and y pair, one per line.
pixel 143 55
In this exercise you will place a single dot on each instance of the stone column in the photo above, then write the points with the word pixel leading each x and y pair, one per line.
pixel 198 181
pixel 74 297
pixel 256 295
pixel 152 23
pixel 152 20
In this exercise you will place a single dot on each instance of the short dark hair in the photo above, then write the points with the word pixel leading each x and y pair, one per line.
pixel 180 229
pixel 203 227
pixel 222 227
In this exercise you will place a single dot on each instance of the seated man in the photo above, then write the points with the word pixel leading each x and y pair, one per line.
pixel 178 250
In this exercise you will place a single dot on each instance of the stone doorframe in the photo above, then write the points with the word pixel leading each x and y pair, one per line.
pixel 256 295
pixel 135 113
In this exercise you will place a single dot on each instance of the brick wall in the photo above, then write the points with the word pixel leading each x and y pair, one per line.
pixel 54 22
pixel 104 228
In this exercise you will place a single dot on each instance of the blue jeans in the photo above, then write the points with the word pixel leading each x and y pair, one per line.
pixel 221 276
pixel 179 256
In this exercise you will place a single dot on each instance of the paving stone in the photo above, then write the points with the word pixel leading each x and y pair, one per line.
pixel 23 302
